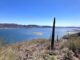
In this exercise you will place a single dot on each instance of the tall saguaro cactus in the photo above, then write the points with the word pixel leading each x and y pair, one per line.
pixel 53 35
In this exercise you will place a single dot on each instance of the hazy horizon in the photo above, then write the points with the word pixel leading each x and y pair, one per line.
pixel 40 12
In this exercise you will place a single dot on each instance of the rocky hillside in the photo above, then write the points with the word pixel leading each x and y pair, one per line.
pixel 38 49
pixel 30 50
pixel 7 25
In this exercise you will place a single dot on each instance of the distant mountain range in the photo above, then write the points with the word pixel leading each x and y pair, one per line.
pixel 22 26
pixel 6 25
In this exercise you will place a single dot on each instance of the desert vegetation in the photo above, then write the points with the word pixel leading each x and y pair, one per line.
pixel 74 44
pixel 39 49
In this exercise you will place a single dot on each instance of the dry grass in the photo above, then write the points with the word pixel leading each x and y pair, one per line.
pixel 74 43
pixel 18 50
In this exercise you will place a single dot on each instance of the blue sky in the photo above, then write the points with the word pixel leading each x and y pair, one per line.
pixel 40 12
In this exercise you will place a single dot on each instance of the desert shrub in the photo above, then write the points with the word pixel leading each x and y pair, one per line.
pixel 74 43
pixel 68 56
pixel 48 57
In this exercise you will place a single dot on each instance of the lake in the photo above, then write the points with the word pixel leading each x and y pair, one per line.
pixel 22 34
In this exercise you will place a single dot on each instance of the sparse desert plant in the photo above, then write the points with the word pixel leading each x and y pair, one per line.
pixel 67 56
pixel 48 57
pixel 52 58
pixel 74 43
pixel 57 38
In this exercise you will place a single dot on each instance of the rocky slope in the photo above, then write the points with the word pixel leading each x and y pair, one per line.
pixel 38 49
pixel 30 50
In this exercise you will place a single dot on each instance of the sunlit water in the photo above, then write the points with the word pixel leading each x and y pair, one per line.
pixel 23 34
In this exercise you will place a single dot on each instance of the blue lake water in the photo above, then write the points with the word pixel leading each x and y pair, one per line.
pixel 22 34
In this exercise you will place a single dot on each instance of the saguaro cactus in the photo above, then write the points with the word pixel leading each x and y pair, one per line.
pixel 53 35
pixel 57 38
